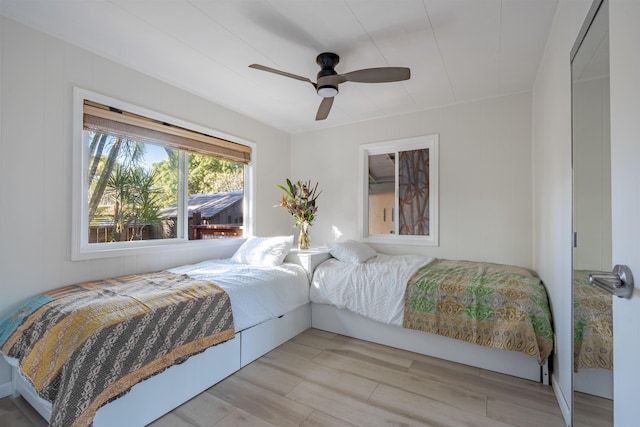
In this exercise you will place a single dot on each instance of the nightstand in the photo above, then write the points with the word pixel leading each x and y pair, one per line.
pixel 309 259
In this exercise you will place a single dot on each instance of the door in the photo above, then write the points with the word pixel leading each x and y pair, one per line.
pixel 624 34
pixel 624 87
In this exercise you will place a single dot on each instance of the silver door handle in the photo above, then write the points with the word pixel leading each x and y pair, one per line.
pixel 619 282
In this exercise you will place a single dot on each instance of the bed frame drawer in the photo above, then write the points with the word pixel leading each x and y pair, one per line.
pixel 261 339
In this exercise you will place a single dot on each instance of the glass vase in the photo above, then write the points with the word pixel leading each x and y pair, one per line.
pixel 303 241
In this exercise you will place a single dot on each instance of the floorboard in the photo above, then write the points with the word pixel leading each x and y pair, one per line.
pixel 323 379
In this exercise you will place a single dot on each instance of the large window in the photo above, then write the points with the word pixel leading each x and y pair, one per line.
pixel 145 180
pixel 400 191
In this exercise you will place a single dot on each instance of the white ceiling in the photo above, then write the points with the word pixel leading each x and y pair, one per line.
pixel 458 50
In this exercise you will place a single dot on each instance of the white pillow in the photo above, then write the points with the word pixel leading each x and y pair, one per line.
pixel 263 251
pixel 351 252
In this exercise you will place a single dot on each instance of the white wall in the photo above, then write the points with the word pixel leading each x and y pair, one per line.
pixel 38 74
pixel 485 177
pixel 624 34
pixel 552 183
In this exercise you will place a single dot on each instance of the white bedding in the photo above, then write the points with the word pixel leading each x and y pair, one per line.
pixel 257 293
pixel 373 289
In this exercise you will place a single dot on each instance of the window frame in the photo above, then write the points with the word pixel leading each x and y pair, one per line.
pixel 82 249
pixel 429 142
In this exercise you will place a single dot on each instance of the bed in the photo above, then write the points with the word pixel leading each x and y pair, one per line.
pixel 98 352
pixel 592 336
pixel 487 315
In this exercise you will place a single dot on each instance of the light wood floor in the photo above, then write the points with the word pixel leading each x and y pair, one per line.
pixel 323 379
pixel 592 411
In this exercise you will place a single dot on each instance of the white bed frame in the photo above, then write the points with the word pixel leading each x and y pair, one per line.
pixel 204 370
pixel 594 381
pixel 180 383
pixel 344 322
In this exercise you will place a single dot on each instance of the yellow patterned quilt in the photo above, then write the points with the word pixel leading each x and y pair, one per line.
pixel 84 345
pixel 491 305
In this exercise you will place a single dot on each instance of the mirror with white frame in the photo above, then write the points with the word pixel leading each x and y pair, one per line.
pixel 592 307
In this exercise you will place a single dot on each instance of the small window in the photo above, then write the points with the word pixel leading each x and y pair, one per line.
pixel 147 182
pixel 400 191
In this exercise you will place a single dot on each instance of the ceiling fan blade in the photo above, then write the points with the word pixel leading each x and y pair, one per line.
pixel 377 75
pixel 282 73
pixel 325 107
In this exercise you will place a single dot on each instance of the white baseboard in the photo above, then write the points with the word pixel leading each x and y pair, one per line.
pixel 564 407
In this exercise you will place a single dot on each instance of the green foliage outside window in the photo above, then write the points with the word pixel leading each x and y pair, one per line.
pixel 127 193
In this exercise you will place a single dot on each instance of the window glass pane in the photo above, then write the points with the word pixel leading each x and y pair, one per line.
pixel 215 197
pixel 413 192
pixel 382 187
pixel 128 189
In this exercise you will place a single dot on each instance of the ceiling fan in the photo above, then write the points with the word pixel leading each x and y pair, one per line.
pixel 329 79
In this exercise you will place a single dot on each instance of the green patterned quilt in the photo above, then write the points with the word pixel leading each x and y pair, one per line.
pixel 592 324
pixel 492 305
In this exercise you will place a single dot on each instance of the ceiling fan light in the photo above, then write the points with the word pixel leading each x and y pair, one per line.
pixel 327 91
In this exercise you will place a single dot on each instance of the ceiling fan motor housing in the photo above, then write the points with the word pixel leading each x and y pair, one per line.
pixel 327 61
